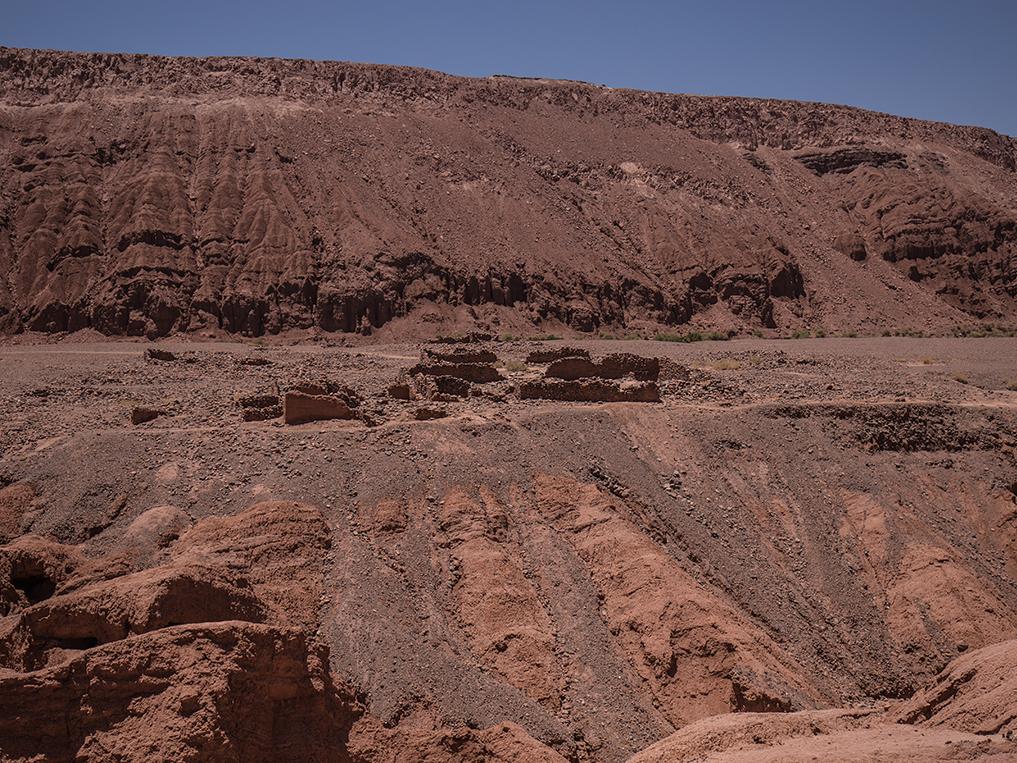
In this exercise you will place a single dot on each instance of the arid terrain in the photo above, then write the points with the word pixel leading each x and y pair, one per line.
pixel 758 550
pixel 360 413
pixel 152 196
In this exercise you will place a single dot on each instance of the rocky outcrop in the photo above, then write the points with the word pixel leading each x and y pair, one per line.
pixel 49 631
pixel 615 378
pixel 206 656
pixel 852 736
pixel 977 693
pixel 460 354
pixel 15 500
pixel 185 208
pixel 216 691
pixel 847 160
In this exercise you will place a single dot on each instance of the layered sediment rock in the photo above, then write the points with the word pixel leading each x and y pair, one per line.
pixel 149 196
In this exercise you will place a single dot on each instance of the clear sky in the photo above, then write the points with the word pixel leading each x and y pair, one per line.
pixel 952 60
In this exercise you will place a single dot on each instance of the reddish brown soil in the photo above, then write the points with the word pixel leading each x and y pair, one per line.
pixel 803 549
pixel 149 196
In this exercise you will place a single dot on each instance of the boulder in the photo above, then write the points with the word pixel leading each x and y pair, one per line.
pixel 153 353
pixel 142 413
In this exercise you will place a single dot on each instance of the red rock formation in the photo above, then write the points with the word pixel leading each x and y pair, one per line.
pixel 208 692
pixel 851 736
pixel 977 693
pixel 145 195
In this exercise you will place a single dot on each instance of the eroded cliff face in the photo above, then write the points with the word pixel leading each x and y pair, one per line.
pixel 147 196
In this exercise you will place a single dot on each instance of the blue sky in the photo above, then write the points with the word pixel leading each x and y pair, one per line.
pixel 952 61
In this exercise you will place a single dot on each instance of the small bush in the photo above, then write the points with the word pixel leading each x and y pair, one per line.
pixel 694 336
pixel 672 337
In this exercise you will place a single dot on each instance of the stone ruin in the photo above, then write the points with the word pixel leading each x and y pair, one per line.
pixel 451 372
pixel 571 375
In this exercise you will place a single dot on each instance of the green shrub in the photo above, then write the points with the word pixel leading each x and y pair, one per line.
pixel 694 336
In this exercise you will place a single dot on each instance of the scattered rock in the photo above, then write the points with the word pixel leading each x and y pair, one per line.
pixel 254 360
pixel 614 366
pixel 426 414
pixel 459 355
pixel 478 373
pixel 851 245
pixel 154 353
pixel 590 391
pixel 259 407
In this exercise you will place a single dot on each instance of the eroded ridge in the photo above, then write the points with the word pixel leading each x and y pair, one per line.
pixel 152 196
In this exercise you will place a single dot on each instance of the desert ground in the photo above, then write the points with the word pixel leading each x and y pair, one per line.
pixel 280 481
pixel 506 549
